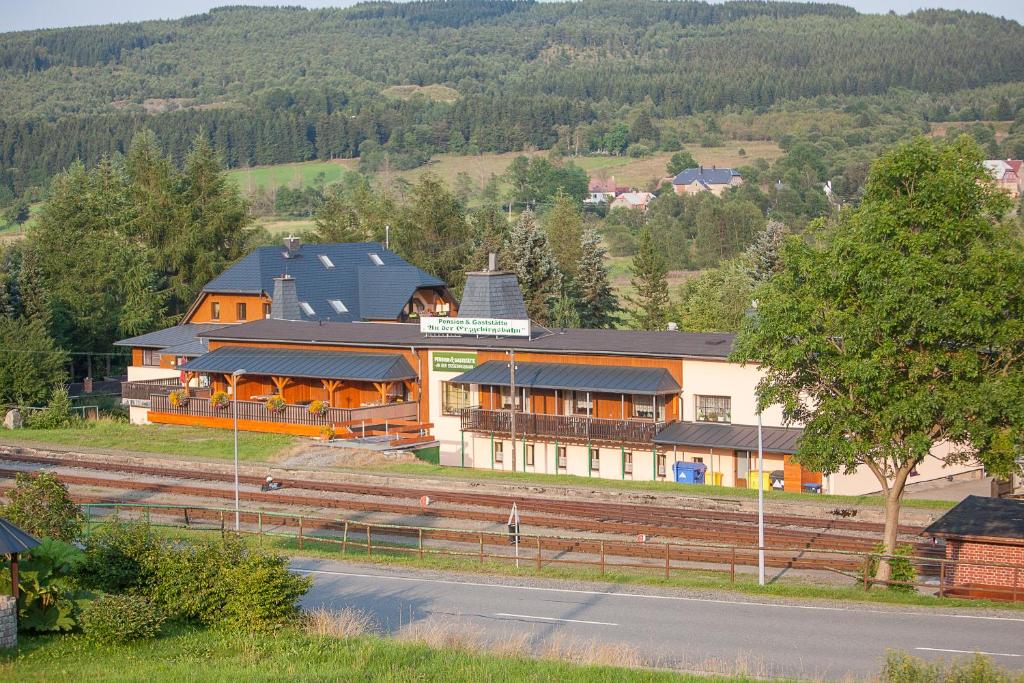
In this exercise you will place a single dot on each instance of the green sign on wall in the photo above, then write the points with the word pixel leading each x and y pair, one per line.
pixel 452 361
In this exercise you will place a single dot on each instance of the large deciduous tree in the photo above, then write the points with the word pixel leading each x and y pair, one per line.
pixel 898 330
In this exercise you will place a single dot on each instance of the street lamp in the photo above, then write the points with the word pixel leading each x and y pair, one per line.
pixel 234 402
pixel 760 502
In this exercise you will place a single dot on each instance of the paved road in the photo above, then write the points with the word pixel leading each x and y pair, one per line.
pixel 671 628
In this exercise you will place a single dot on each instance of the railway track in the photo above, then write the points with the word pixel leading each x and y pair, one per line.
pixel 627 519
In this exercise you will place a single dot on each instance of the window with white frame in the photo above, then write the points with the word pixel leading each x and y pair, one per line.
pixel 661 464
pixel 454 398
pixel 595 458
pixel 563 460
pixel 506 398
pixel 714 409
pixel 529 455
pixel 627 462
pixel 151 357
pixel 499 451
pixel 578 403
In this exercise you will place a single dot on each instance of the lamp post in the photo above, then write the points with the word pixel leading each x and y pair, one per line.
pixel 760 502
pixel 234 404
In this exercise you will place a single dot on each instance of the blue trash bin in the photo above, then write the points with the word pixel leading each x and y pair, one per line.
pixel 689 472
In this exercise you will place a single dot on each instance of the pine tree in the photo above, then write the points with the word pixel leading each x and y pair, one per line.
pixel 596 302
pixel 650 302
pixel 564 313
pixel 530 256
pixel 433 232
pixel 762 256
pixel 564 226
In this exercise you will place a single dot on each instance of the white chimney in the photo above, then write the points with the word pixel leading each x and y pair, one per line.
pixel 492 262
pixel 673 327
pixel 292 244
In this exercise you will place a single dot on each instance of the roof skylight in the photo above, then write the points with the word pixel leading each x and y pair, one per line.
pixel 338 306
pixel 377 261
pixel 307 309
pixel 324 259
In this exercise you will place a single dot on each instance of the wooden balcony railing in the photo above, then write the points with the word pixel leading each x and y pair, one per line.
pixel 291 414
pixel 562 427
pixel 140 390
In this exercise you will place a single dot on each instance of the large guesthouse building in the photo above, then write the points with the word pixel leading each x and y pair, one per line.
pixel 475 378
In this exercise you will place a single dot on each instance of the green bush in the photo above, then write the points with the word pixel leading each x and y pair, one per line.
pixel 261 593
pixel 120 556
pixel 902 573
pixel 56 415
pixel 121 618
pixel 49 598
pixel 41 505
pixel 902 668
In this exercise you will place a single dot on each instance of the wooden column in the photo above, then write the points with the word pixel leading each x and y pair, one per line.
pixel 331 386
pixel 280 383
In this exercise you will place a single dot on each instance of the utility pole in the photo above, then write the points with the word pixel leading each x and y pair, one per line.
pixel 512 419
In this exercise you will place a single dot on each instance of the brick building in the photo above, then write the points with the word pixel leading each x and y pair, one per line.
pixel 985 546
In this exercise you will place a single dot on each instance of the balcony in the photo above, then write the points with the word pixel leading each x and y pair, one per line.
pixel 291 415
pixel 575 428
pixel 137 393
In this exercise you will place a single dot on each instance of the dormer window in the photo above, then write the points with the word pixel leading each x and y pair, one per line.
pixel 377 260
pixel 338 306
pixel 307 309
pixel 324 259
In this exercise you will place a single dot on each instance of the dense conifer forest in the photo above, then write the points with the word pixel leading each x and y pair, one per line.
pixel 272 85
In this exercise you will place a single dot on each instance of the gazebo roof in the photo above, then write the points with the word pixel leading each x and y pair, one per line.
pixel 14 540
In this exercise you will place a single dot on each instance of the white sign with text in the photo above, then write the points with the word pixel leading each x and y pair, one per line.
pixel 491 327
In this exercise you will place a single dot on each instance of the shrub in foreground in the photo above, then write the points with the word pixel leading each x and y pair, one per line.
pixel 121 618
pixel 120 556
pixel 902 668
pixel 41 505
pixel 260 593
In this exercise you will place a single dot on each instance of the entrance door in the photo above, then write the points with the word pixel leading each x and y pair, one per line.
pixel 742 468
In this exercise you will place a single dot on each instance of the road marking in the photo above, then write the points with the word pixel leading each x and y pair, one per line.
pixel 678 598
pixel 968 652
pixel 570 621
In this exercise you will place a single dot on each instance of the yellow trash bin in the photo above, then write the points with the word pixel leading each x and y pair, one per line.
pixel 765 477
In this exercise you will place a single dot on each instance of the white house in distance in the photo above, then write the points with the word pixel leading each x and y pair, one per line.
pixel 706 179
pixel 632 200
pixel 1008 175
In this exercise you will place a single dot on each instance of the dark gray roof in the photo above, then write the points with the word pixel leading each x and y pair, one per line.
pixel 367 290
pixel 168 337
pixel 581 377
pixel 704 174
pixel 14 540
pixel 739 437
pixel 492 295
pixel 712 345
pixel 975 516
pixel 196 347
pixel 368 367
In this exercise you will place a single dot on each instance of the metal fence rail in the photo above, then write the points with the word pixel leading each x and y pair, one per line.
pixel 536 551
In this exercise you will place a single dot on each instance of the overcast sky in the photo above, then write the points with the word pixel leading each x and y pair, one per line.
pixel 17 15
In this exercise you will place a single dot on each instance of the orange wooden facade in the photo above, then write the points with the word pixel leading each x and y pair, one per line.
pixel 203 311
pixel 608 406
pixel 228 423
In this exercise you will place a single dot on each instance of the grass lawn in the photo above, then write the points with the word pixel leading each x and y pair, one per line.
pixel 443 471
pixel 192 654
pixel 293 175
pixel 294 226
pixel 170 439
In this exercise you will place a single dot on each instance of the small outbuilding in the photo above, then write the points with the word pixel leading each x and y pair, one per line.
pixel 984 548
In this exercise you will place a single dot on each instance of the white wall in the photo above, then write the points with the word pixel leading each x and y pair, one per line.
pixel 721 378
pixel 137 373
pixel 863 481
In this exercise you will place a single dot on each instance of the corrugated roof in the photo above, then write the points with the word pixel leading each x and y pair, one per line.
pixel 14 540
pixel 975 516
pixel 170 336
pixel 705 175
pixel 739 437
pixel 492 295
pixel 576 376
pixel 712 345
pixel 367 367
pixel 369 291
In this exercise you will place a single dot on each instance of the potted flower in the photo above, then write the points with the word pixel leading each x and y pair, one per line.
pixel 219 400
pixel 318 408
pixel 275 403
pixel 327 432
pixel 178 398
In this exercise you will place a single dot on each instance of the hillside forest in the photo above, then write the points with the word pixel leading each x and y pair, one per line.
pixel 459 128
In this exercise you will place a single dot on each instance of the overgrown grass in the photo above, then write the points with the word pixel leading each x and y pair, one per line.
pixel 449 472
pixel 292 175
pixel 696 579
pixel 190 654
pixel 171 439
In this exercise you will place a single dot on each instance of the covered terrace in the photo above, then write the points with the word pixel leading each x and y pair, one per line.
pixel 357 388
